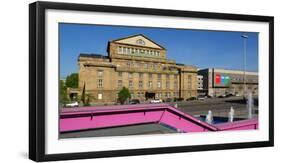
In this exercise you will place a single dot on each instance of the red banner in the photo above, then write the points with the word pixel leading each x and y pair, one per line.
pixel 218 79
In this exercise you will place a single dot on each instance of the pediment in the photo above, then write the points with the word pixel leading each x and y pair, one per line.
pixel 138 40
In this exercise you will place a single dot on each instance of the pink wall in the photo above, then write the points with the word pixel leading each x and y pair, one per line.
pixel 111 116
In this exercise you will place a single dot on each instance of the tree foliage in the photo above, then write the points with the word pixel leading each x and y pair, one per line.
pixel 63 94
pixel 123 95
pixel 72 80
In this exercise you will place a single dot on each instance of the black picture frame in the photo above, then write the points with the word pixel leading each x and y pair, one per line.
pixel 37 79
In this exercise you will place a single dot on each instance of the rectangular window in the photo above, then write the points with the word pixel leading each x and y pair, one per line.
pixel 175 85
pixel 100 73
pixel 159 76
pixel 119 84
pixel 150 84
pixel 119 49
pixel 100 83
pixel 100 96
pixel 168 77
pixel 150 76
pixel 120 74
pixel 154 66
pixel 130 75
pixel 140 84
pixel 130 83
pixel 168 85
pixel 189 82
pixel 145 65
pixel 141 75
pixel 168 94
pixel 159 84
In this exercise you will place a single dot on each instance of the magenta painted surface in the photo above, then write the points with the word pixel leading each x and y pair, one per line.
pixel 75 119
pixel 109 120
pixel 239 125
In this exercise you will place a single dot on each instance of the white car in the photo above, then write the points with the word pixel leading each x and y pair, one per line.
pixel 156 101
pixel 73 104
pixel 201 97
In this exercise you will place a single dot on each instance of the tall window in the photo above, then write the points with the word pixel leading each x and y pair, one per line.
pixel 150 76
pixel 120 74
pixel 175 85
pixel 168 77
pixel 158 84
pixel 157 53
pixel 100 83
pixel 119 49
pixel 189 82
pixel 130 75
pixel 141 75
pixel 129 64
pixel 159 76
pixel 140 84
pixel 175 82
pixel 119 83
pixel 168 84
pixel 149 84
pixel 100 80
pixel 130 83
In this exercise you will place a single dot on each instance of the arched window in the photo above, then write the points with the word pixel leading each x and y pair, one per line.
pixel 140 42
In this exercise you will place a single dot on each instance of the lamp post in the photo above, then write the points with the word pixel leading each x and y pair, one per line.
pixel 245 37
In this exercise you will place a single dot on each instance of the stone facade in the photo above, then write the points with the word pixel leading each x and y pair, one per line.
pixel 138 63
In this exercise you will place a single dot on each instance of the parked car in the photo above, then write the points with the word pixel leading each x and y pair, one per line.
pixel 72 104
pixel 168 100
pixel 201 97
pixel 191 99
pixel 221 96
pixel 134 101
pixel 180 99
pixel 229 95
pixel 156 101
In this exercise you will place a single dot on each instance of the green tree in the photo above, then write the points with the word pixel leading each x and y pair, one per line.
pixel 123 95
pixel 72 80
pixel 63 95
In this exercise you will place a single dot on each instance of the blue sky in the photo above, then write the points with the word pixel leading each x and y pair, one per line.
pixel 204 49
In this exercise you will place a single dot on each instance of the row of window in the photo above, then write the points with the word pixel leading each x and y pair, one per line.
pixel 153 66
pixel 137 51
pixel 142 95
pixel 149 84
pixel 241 79
pixel 140 75
pixel 157 95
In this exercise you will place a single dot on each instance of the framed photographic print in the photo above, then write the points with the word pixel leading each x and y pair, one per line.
pixel 111 81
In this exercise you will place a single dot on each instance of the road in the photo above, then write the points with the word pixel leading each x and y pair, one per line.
pixel 218 106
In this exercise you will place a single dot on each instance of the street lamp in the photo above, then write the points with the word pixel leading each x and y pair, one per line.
pixel 245 37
